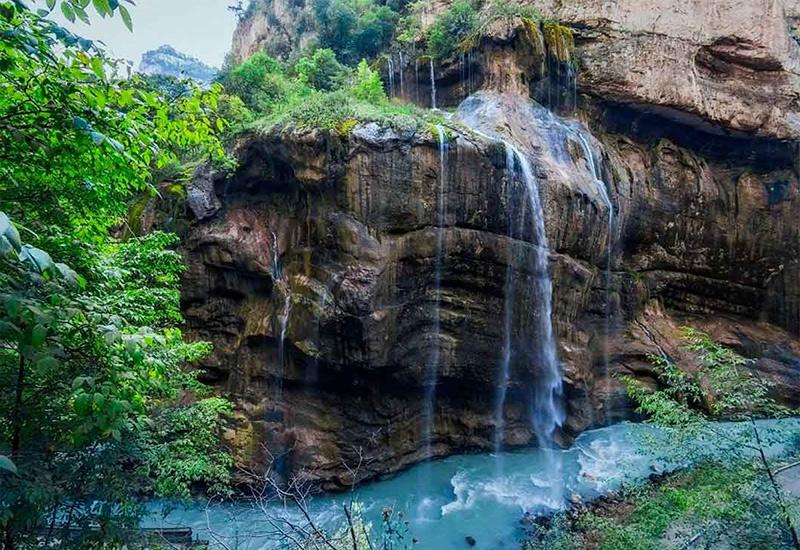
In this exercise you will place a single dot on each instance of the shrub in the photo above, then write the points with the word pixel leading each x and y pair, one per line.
pixel 505 9
pixel 368 85
pixel 321 70
pixel 354 28
pixel 260 82
pixel 452 28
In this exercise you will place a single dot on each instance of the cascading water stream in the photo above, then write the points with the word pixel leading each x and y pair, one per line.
pixel 283 318
pixel 401 67
pixel 595 170
pixel 548 414
pixel 416 80
pixel 547 403
pixel 432 369
pixel 391 76
pixel 433 85
pixel 508 319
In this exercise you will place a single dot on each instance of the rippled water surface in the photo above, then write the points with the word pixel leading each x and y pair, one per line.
pixel 483 496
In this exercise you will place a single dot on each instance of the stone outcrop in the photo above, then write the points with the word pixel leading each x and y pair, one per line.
pixel 313 267
pixel 278 27
pixel 315 282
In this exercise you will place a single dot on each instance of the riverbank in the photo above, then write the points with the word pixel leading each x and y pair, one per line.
pixel 710 505
pixel 480 497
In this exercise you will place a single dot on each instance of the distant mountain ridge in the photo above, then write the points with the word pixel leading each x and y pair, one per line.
pixel 168 61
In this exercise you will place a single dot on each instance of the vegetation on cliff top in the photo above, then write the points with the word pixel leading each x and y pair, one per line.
pixel 318 92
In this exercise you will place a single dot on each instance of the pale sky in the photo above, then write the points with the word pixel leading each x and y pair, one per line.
pixel 200 28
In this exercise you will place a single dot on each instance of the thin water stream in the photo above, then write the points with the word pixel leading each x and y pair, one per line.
pixel 432 368
pixel 465 496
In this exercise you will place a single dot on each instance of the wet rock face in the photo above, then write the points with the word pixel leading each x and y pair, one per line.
pixel 278 27
pixel 316 280
pixel 315 268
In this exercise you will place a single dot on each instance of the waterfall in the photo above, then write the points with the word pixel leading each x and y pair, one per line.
pixel 276 261
pixel 416 80
pixel 508 318
pixel 283 320
pixel 391 76
pixel 536 338
pixel 432 369
pixel 547 414
pixel 433 86
pixel 401 75
pixel 594 168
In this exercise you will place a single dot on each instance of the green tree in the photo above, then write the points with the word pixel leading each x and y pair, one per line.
pixel 261 82
pixel 355 29
pixel 321 70
pixel 451 28
pixel 368 85
pixel 722 387
pixel 90 347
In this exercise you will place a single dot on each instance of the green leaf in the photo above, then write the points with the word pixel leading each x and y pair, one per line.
pixel 47 363
pixel 102 7
pixel 36 259
pixel 38 335
pixel 68 12
pixel 51 4
pixel 97 68
pixel 83 16
pixel 8 465
pixel 126 17
pixel 82 404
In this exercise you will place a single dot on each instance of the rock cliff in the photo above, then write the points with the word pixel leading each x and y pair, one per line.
pixel 670 196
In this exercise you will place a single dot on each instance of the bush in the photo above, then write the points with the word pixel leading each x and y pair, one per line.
pixel 323 111
pixel 322 71
pixel 354 29
pixel 368 85
pixel 451 29
pixel 183 449
pixel 260 82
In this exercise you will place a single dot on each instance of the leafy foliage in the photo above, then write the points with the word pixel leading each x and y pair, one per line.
pixel 354 29
pixel 321 70
pixel 183 448
pixel 687 402
pixel 261 82
pixel 89 344
pixel 451 28
pixel 726 505
pixel 722 387
pixel 78 140
pixel 368 85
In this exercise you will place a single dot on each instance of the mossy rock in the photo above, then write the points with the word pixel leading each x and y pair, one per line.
pixel 559 40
